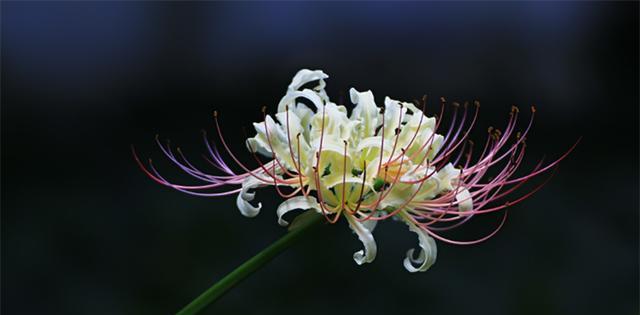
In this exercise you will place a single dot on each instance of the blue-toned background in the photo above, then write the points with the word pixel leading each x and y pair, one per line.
pixel 85 232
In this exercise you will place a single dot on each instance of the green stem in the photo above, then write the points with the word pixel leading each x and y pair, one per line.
pixel 297 229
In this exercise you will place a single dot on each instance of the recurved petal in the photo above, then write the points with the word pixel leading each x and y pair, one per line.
pixel 448 177
pixel 427 253
pixel 465 202
pixel 368 254
pixel 300 202
pixel 244 197
pixel 313 96
pixel 365 110
pixel 305 76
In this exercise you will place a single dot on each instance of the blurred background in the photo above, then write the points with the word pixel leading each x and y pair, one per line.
pixel 85 232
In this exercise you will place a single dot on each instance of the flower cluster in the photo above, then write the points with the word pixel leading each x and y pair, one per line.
pixel 370 164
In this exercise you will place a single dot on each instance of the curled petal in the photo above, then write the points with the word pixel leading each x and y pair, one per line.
pixel 305 76
pixel 368 254
pixel 428 251
pixel 365 110
pixel 465 203
pixel 448 177
pixel 291 96
pixel 300 202
pixel 370 224
pixel 242 201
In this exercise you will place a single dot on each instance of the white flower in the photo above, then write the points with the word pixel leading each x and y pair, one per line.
pixel 368 163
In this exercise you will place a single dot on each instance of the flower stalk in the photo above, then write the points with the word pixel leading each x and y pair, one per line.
pixel 299 228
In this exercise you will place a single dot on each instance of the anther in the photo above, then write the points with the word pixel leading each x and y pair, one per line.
pixel 533 108
pixel 455 104
pixel 477 103
pixel 466 104
pixel 515 109
pixel 442 99
pixel 264 109
pixel 215 113
pixel 490 129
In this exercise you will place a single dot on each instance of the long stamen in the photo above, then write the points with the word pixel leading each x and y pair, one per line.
pixel 224 143
pixel 273 152
pixel 344 177
pixel 381 143
pixel 364 179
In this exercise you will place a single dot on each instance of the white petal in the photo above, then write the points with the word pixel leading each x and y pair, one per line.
pixel 305 76
pixel 392 113
pixel 428 251
pixel 465 203
pixel 370 224
pixel 291 96
pixel 366 111
pixel 242 201
pixel 337 125
pixel 368 254
pixel 295 203
pixel 448 176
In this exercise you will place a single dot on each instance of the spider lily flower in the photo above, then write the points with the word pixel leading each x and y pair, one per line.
pixel 369 165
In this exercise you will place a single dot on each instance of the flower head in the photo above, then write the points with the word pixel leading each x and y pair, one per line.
pixel 370 164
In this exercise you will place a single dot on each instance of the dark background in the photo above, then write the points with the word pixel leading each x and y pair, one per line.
pixel 85 232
